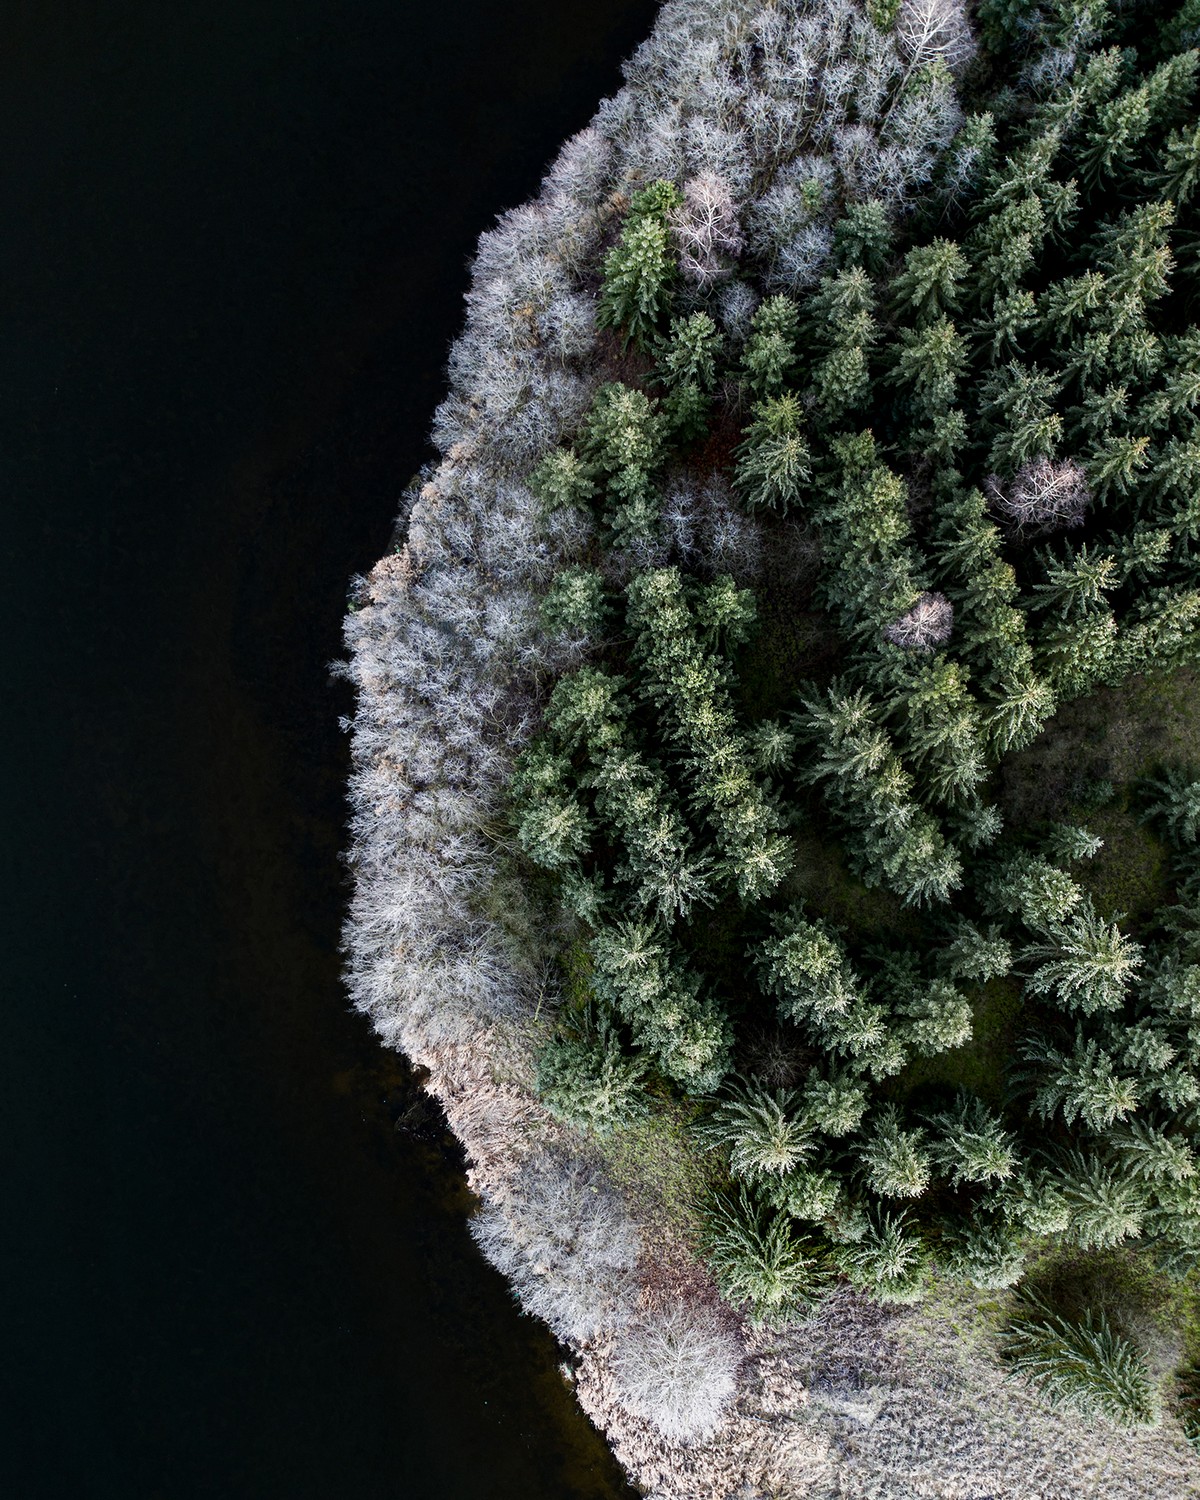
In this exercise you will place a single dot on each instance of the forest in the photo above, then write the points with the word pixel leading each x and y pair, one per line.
pixel 856 802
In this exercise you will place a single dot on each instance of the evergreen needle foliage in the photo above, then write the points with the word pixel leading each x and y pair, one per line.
pixel 764 1131
pixel 760 1263
pixel 1083 1365
pixel 586 1076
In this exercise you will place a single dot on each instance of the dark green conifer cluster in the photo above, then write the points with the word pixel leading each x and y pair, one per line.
pixel 987 426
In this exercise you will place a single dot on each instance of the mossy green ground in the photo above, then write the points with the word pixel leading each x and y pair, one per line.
pixel 657 1163
pixel 980 1064
pixel 1112 739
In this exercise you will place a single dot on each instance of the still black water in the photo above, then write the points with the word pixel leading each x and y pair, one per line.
pixel 232 250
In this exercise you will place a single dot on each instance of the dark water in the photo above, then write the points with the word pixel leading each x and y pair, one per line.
pixel 231 254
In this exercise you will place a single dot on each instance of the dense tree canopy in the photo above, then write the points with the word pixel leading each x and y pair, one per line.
pixel 984 421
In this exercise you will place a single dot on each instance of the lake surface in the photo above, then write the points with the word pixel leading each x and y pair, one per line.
pixel 233 250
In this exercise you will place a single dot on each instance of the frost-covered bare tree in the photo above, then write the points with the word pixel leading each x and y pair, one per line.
pixel 706 531
pixel 566 1242
pixel 934 29
pixel 926 625
pixel 797 109
pixel 1044 495
pixel 705 230
pixel 675 1367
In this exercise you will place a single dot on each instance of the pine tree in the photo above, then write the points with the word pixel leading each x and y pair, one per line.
pixel 1078 583
pixel 863 236
pixel 687 367
pixel 986 1253
pixel 1145 1047
pixel 639 269
pixel 894 1160
pixel 1077 655
pixel 586 1077
pixel 760 1264
pixel 1152 1153
pixel 764 1130
pixel 552 826
pixel 834 1103
pixel 1020 705
pixel 1179 166
pixel 805 1193
pixel 554 832
pixel 1084 1084
pixel 773 459
pixel 927 366
pixel 970 1144
pixel 942 728
pixel 1082 1365
pixel 887 1262
pixel 807 970
pixel 772 744
pixel 770 352
pixel 1088 964
pixel 976 955
pixel 892 839
pixel 588 710
pixel 588 707
pixel 929 286
pixel 1122 124
pixel 862 1033
pixel 1114 465
pixel 624 440
pixel 1173 800
pixel 1068 844
pixel 725 615
pixel 643 978
pixel 842 324
pixel 1029 886
pixel 873 573
pixel 574 604
pixel 562 479
pixel 1105 1206
pixel 687 684
pixel 1033 1203
pixel 939 1019
pixel 976 824
pixel 1164 631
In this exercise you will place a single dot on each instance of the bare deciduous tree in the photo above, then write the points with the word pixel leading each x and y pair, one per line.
pixel 1044 495
pixel 675 1368
pixel 929 29
pixel 705 230
pixel 926 625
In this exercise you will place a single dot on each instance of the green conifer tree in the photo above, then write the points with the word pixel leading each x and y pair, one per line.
pixel 895 1162
pixel 640 268
pixel 1082 1365
pixel 1088 964
pixel 770 352
pixel 574 604
pixel 764 1130
pixel 585 1076
pixel 887 1261
pixel 1083 1084
pixel 760 1264
pixel 970 1144
pixel 773 459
